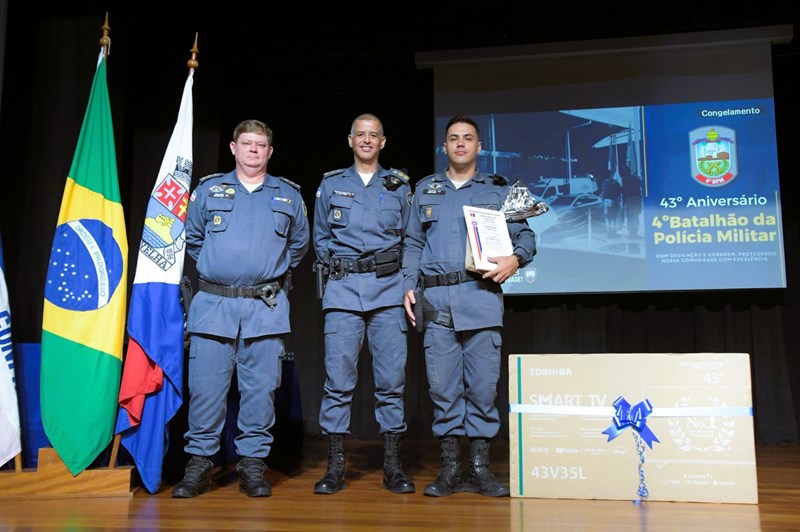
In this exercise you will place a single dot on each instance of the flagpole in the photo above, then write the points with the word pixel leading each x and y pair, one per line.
pixel 192 62
pixel 105 40
pixel 105 44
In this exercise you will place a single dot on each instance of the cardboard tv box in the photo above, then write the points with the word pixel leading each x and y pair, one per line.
pixel 659 427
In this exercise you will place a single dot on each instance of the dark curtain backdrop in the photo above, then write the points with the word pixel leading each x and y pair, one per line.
pixel 308 77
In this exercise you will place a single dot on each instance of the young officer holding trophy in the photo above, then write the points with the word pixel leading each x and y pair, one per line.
pixel 461 312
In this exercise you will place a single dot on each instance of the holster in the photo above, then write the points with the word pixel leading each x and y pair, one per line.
pixel 185 292
pixel 425 313
pixel 430 314
pixel 287 282
pixel 419 297
pixel 321 271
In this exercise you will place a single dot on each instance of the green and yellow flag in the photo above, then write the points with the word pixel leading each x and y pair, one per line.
pixel 85 296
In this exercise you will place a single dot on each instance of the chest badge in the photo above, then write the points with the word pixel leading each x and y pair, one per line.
pixel 337 214
pixel 217 219
pixel 428 212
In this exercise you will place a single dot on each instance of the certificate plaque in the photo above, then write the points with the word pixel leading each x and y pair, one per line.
pixel 487 236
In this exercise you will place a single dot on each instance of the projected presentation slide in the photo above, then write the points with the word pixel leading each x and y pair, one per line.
pixel 644 198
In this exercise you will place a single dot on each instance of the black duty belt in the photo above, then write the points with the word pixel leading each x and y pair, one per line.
pixel 383 263
pixel 447 279
pixel 365 265
pixel 268 292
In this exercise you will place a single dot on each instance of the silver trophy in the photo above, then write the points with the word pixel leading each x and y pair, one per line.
pixel 520 204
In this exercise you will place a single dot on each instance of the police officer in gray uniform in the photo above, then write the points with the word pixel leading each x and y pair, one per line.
pixel 359 216
pixel 461 311
pixel 246 230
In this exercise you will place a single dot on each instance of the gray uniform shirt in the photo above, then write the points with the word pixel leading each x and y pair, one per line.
pixel 242 238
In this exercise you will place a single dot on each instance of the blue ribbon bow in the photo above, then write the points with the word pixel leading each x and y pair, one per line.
pixel 627 416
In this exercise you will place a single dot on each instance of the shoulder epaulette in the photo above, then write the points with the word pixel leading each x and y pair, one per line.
pixel 399 173
pixel 292 183
pixel 209 176
pixel 333 172
pixel 424 178
pixel 394 179
pixel 497 179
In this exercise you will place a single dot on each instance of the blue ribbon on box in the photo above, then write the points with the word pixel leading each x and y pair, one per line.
pixel 632 416
pixel 635 417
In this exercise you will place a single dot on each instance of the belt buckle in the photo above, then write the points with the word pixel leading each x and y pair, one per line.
pixel 363 266
pixel 452 278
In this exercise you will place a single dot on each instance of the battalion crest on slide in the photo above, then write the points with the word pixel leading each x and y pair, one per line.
pixel 713 153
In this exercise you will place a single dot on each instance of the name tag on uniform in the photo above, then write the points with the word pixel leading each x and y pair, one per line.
pixel 225 194
pixel 285 200
pixel 344 193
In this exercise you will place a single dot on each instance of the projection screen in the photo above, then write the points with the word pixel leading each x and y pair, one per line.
pixel 657 156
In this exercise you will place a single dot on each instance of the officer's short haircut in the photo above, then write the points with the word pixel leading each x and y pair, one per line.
pixel 252 126
pixel 459 119
pixel 366 116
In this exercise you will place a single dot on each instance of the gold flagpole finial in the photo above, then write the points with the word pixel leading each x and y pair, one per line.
pixel 105 40
pixel 192 63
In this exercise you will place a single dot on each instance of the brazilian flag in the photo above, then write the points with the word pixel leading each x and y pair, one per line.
pixel 85 296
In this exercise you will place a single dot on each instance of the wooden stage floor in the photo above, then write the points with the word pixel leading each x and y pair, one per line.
pixel 364 505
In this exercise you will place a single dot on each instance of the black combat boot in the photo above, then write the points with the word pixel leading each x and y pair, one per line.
pixel 196 480
pixel 333 480
pixel 481 480
pixel 394 479
pixel 251 477
pixel 449 478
